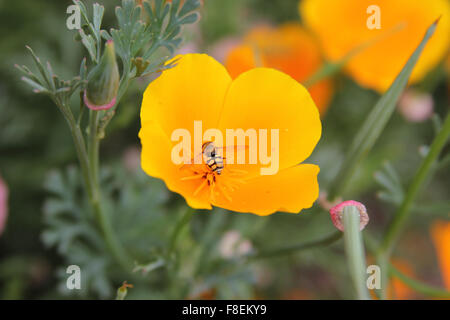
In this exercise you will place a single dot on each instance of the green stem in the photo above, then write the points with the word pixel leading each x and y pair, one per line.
pixel 383 263
pixel 355 251
pixel 404 211
pixel 175 291
pixel 113 243
pixel 184 220
pixel 331 68
pixel 421 176
pixel 102 217
pixel 89 164
pixel 93 148
pixel 419 286
pixel 375 122
pixel 80 146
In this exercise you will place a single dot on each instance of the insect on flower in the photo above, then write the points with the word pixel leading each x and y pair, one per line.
pixel 212 166
pixel 212 158
pixel 261 100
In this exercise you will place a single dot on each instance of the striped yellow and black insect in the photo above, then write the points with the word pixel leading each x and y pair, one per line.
pixel 212 157
pixel 212 167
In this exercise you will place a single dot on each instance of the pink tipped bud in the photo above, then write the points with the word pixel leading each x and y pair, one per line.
pixel 337 211
pixel 103 81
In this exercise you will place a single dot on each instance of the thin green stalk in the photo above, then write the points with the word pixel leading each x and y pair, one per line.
pixel 383 263
pixel 412 283
pixel 89 160
pixel 113 243
pixel 80 146
pixel 93 147
pixel 102 217
pixel 184 220
pixel 331 68
pixel 421 176
pixel 173 266
pixel 404 211
pixel 420 286
pixel 355 251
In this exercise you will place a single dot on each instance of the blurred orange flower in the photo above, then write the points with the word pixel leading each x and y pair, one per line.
pixel 342 25
pixel 297 294
pixel 288 48
pixel 397 289
pixel 200 88
pixel 440 233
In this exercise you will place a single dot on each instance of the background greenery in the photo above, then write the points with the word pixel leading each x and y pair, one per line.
pixel 38 163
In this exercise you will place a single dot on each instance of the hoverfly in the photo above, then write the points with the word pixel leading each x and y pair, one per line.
pixel 213 156
pixel 212 167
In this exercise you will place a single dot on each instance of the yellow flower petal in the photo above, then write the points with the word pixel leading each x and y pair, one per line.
pixel 258 99
pixel 192 90
pixel 341 25
pixel 156 161
pixel 291 190
pixel 269 99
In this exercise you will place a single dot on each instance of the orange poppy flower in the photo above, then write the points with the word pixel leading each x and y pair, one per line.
pixel 199 88
pixel 288 48
pixel 343 25
pixel 440 233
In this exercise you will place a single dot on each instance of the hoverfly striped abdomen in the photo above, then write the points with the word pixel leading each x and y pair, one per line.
pixel 212 159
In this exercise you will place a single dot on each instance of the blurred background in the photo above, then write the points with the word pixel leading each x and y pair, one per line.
pixel 40 232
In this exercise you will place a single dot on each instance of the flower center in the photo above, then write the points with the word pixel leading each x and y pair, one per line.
pixel 216 178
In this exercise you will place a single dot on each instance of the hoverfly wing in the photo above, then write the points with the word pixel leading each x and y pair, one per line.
pixel 223 151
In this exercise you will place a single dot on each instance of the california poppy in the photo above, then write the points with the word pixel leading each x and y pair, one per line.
pixel 343 25
pixel 288 48
pixel 199 88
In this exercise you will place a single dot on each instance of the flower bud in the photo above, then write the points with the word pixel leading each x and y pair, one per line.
pixel 337 211
pixel 416 106
pixel 103 81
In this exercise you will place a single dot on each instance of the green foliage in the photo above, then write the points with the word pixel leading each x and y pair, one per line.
pixel 69 228
pixel 389 179
pixel 69 215
pixel 136 42
pixel 138 212
pixel 49 83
